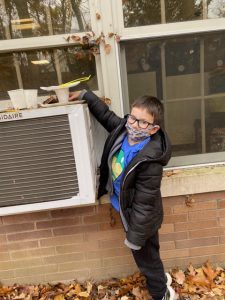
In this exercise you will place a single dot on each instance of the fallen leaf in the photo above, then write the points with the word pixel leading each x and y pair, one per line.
pixel 208 270
pixel 84 294
pixel 179 276
pixel 59 297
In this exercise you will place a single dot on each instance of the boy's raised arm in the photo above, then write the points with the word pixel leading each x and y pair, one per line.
pixel 98 108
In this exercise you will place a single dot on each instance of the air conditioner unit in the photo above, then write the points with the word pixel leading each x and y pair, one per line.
pixel 47 159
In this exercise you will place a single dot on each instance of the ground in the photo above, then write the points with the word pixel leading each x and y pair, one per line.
pixel 205 283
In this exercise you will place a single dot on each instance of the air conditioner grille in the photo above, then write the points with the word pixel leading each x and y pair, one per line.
pixel 37 161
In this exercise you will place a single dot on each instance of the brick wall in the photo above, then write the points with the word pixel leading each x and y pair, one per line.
pixel 87 242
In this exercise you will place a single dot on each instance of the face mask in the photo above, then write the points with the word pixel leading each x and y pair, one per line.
pixel 137 135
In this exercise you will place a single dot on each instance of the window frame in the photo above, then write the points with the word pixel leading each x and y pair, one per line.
pixel 170 30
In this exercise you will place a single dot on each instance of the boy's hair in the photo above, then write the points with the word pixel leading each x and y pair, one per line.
pixel 153 106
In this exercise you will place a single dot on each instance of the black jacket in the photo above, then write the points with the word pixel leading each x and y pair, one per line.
pixel 140 197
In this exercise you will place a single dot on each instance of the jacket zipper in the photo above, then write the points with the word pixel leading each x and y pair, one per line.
pixel 121 213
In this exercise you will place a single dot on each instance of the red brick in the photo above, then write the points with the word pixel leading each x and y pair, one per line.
pixel 210 196
pixel 4 256
pixel 221 213
pixel 104 235
pixel 23 218
pixel 221 203
pixel 19 246
pixel 62 240
pixel 175 253
pixel 77 247
pixel 2 239
pixel 58 223
pixel 210 232
pixel 167 245
pixel 16 227
pixel 107 244
pixel 28 253
pixel 108 253
pixel 69 257
pixel 204 215
pixel 196 225
pixel 114 261
pixel 175 218
pixel 173 236
pixel 167 210
pixel 166 228
pixel 32 235
pixel 108 226
pixel 197 242
pixel 75 229
pixel 98 218
pixel 199 206
pixel 210 250
pixel 171 201
pixel 73 212
pixel 80 265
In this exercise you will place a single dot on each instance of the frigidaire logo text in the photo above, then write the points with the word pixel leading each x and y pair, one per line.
pixel 10 116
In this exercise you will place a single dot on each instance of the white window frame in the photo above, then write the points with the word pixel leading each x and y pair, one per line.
pixel 169 30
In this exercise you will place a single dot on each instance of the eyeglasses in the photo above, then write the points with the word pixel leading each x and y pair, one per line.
pixel 141 123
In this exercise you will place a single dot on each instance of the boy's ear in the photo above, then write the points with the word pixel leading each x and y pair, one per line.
pixel 154 129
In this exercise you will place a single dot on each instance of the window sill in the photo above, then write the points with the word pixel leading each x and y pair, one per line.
pixel 189 181
pixel 193 180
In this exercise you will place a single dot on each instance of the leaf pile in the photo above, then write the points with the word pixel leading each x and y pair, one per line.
pixel 129 288
pixel 205 283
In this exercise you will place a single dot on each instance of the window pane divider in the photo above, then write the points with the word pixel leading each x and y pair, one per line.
pixel 172 29
pixel 38 42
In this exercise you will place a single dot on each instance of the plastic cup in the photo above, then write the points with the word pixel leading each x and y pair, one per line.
pixel 31 98
pixel 62 94
pixel 18 98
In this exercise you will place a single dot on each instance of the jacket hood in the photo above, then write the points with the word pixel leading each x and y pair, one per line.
pixel 158 149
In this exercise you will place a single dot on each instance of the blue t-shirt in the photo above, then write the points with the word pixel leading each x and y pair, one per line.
pixel 119 162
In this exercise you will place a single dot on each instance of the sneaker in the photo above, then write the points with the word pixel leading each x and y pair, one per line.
pixel 170 293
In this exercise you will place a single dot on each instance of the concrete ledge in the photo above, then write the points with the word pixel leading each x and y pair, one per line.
pixel 193 180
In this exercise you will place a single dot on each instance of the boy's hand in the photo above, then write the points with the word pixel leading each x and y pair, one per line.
pixel 74 95
pixel 131 246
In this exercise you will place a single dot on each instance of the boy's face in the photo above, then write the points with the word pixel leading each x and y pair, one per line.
pixel 143 118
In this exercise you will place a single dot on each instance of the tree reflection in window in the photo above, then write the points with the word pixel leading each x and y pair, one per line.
pixel 45 17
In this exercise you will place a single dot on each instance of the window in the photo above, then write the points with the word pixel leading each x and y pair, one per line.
pixel 185 71
pixel 38 51
pixel 45 67
pixel 145 12
pixel 20 19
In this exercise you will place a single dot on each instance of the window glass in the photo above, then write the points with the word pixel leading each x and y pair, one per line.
pixel 145 12
pixel 144 68
pixel 183 10
pixel 215 124
pixel 187 75
pixel 182 59
pixel 139 13
pixel 183 123
pixel 34 69
pixel 214 64
pixel 30 18
pixel 8 77
pixel 216 9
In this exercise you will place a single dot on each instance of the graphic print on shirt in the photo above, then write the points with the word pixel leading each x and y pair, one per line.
pixel 117 164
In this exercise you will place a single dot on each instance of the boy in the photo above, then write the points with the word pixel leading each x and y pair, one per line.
pixel 131 171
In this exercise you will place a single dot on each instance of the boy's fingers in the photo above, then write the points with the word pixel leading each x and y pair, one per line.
pixel 74 95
